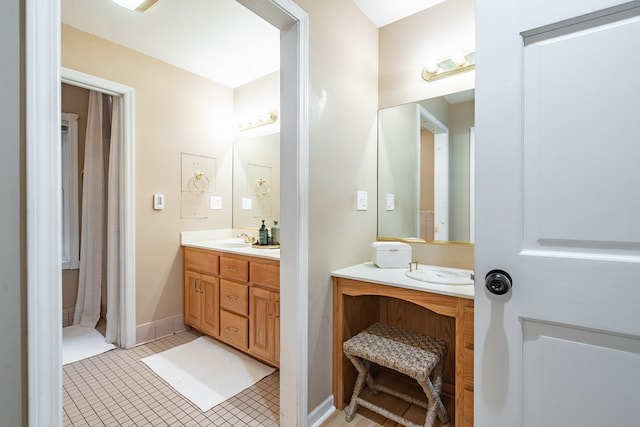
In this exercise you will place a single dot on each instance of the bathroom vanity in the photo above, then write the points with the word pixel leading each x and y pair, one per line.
pixel 364 294
pixel 231 292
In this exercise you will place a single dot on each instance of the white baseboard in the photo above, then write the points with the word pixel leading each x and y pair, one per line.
pixel 321 413
pixel 157 329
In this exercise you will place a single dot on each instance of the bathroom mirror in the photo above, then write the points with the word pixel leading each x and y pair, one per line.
pixel 256 181
pixel 425 170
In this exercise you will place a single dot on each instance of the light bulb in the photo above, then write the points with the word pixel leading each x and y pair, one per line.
pixel 458 59
pixel 431 67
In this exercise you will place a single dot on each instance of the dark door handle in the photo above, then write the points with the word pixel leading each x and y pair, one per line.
pixel 498 282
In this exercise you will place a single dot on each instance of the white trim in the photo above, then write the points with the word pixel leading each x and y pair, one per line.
pixel 44 278
pixel 42 52
pixel 127 331
pixel 293 23
pixel 322 412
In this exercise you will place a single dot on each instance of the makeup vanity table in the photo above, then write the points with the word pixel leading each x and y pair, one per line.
pixel 365 294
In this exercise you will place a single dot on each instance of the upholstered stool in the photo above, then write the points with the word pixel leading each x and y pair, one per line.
pixel 418 356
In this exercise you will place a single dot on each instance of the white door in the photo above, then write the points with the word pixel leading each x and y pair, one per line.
pixel 558 209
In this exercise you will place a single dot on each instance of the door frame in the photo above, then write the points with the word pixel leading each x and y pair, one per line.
pixel 127 313
pixel 42 77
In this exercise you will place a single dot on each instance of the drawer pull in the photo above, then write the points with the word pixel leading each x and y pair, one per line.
pixel 232 298
pixel 231 269
pixel 232 329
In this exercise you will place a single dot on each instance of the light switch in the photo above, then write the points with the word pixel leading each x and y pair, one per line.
pixel 158 201
pixel 361 200
pixel 215 202
pixel 246 203
pixel 391 202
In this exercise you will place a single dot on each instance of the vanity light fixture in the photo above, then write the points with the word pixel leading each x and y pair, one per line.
pixel 137 5
pixel 454 64
pixel 261 120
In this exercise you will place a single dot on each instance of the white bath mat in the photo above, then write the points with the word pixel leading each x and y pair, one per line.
pixel 207 372
pixel 79 342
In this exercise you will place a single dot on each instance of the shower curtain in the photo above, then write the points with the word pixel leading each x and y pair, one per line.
pixel 100 233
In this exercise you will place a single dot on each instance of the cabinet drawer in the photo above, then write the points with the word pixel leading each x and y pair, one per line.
pixel 234 297
pixel 201 261
pixel 234 268
pixel 265 272
pixel 234 330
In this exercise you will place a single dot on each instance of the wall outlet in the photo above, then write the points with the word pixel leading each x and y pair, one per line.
pixel 215 202
pixel 391 202
pixel 246 203
pixel 158 201
pixel 361 200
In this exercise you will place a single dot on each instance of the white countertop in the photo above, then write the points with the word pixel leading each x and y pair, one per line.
pixel 369 272
pixel 222 241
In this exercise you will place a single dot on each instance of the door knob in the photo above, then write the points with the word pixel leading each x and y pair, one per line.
pixel 498 282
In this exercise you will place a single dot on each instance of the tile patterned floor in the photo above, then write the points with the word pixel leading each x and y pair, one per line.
pixel 116 389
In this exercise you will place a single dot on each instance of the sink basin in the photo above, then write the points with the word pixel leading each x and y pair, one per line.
pixel 238 244
pixel 442 276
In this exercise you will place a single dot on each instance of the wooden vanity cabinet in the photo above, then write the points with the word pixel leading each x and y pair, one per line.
pixel 358 304
pixel 201 290
pixel 234 298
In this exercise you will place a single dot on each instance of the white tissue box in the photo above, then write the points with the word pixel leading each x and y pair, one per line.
pixel 391 254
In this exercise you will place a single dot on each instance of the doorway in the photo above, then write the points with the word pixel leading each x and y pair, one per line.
pixel 42 116
pixel 125 335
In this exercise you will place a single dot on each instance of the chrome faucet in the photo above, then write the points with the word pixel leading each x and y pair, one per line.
pixel 247 238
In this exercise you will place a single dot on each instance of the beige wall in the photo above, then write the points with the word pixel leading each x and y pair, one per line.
pixel 343 63
pixel 407 44
pixel 404 47
pixel 175 112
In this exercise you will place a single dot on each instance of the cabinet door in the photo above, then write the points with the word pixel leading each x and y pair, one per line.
pixel 192 299
pixel 262 318
pixel 209 287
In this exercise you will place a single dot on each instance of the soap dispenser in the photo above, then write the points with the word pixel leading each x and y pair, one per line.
pixel 263 234
pixel 275 233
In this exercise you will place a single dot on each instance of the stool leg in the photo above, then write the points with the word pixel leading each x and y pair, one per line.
pixel 362 366
pixel 370 382
pixel 432 390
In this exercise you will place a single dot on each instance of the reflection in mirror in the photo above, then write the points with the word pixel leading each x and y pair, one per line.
pixel 256 181
pixel 425 168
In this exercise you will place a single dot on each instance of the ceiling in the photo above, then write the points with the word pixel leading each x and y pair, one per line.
pixel 217 39
pixel 383 12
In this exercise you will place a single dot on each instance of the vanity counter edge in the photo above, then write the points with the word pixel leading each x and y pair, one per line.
pixel 368 272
